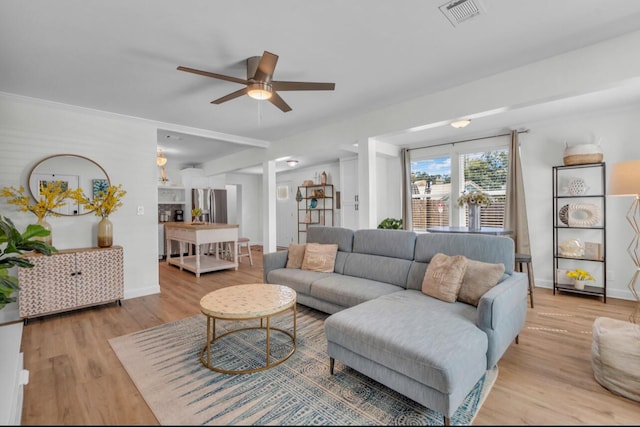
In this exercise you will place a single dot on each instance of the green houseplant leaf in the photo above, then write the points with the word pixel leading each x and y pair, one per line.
pixel 391 223
pixel 12 245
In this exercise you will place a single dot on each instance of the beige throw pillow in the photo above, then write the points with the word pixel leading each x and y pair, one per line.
pixel 443 277
pixel 319 257
pixel 478 279
pixel 296 254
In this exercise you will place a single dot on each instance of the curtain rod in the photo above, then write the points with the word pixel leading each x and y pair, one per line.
pixel 468 140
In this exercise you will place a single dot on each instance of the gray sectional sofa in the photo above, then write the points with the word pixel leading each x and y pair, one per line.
pixel 384 326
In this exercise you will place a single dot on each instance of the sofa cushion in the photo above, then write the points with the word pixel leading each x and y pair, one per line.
pixel 343 237
pixel 297 279
pixel 443 277
pixel 320 257
pixel 429 340
pixel 480 247
pixel 380 268
pixel 478 279
pixel 347 291
pixel 387 243
pixel 295 255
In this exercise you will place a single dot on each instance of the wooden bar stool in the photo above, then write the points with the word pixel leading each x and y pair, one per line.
pixel 244 242
pixel 523 259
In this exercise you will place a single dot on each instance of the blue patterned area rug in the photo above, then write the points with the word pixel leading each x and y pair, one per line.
pixel 164 363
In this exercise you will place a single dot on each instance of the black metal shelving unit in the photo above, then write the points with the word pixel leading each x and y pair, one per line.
pixel 593 195
pixel 313 208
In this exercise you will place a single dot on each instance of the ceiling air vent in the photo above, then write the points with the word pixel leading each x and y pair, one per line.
pixel 461 10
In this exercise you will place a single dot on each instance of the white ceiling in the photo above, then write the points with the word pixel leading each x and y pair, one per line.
pixel 121 56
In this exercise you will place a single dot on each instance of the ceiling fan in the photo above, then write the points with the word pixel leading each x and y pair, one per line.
pixel 259 83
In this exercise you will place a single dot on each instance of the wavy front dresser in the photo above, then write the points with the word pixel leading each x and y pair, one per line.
pixel 70 279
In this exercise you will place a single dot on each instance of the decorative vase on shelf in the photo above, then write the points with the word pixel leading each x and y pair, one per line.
pixel 299 196
pixel 474 217
pixel 323 178
pixel 105 233
pixel 47 239
pixel 579 284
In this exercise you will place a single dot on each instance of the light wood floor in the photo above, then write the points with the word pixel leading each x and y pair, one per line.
pixel 546 379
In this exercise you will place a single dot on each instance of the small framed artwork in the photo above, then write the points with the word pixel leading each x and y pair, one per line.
pixel 99 185
pixel 64 185
pixel 283 192
pixel 592 250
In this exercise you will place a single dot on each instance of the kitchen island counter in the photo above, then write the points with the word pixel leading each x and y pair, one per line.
pixel 187 233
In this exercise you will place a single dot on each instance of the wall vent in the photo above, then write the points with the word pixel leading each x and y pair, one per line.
pixel 459 11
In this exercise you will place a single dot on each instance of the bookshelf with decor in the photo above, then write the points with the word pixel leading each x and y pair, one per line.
pixel 579 228
pixel 315 207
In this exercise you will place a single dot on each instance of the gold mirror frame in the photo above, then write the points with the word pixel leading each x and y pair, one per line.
pixel 76 170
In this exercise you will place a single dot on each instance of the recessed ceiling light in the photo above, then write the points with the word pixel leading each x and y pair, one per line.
pixel 460 123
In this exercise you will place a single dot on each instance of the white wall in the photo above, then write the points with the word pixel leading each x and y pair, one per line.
pixel 541 149
pixel 286 210
pixel 125 148
pixel 249 193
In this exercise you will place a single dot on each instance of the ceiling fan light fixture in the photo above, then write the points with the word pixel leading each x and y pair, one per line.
pixel 292 162
pixel 161 160
pixel 259 91
pixel 461 123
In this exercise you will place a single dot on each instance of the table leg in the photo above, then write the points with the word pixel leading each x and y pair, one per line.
pixel 235 254
pixel 268 338
pixel 208 343
pixel 197 260
pixel 295 310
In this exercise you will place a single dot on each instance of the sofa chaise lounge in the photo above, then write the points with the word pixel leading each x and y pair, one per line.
pixel 383 325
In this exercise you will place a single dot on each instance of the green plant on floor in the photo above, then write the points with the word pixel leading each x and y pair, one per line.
pixel 13 242
pixel 391 223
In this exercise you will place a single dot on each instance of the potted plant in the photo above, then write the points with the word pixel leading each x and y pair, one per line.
pixel 103 204
pixel 12 244
pixel 195 215
pixel 53 195
pixel 579 277
pixel 391 223
pixel 474 200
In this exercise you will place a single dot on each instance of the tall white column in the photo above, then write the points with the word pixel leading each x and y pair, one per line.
pixel 269 205
pixel 367 207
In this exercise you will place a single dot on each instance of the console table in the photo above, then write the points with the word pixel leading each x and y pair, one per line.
pixel 70 279
pixel 200 234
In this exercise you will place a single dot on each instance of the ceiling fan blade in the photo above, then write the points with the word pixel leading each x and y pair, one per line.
pixel 214 75
pixel 302 86
pixel 266 66
pixel 279 102
pixel 231 96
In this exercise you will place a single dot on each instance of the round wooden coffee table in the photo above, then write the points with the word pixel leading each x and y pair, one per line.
pixel 247 302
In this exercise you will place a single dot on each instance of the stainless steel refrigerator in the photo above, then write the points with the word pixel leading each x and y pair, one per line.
pixel 213 203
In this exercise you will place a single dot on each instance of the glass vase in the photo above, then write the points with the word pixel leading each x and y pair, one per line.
pixel 105 233
pixel 474 217
pixel 47 239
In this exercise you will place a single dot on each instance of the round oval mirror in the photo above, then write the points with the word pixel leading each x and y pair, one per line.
pixel 75 172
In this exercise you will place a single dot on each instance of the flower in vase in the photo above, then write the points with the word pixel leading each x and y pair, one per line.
pixel 474 198
pixel 104 202
pixel 578 274
pixel 53 195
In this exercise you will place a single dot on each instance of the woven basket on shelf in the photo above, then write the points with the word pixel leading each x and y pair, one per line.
pixel 582 159
pixel 582 154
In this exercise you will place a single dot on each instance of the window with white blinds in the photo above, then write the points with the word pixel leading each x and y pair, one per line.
pixel 440 174
pixel 486 171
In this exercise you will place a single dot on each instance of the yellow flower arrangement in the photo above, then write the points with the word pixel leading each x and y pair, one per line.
pixel 52 196
pixel 578 274
pixel 104 203
pixel 474 198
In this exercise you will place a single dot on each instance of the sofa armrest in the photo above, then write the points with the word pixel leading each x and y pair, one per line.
pixel 502 313
pixel 272 261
